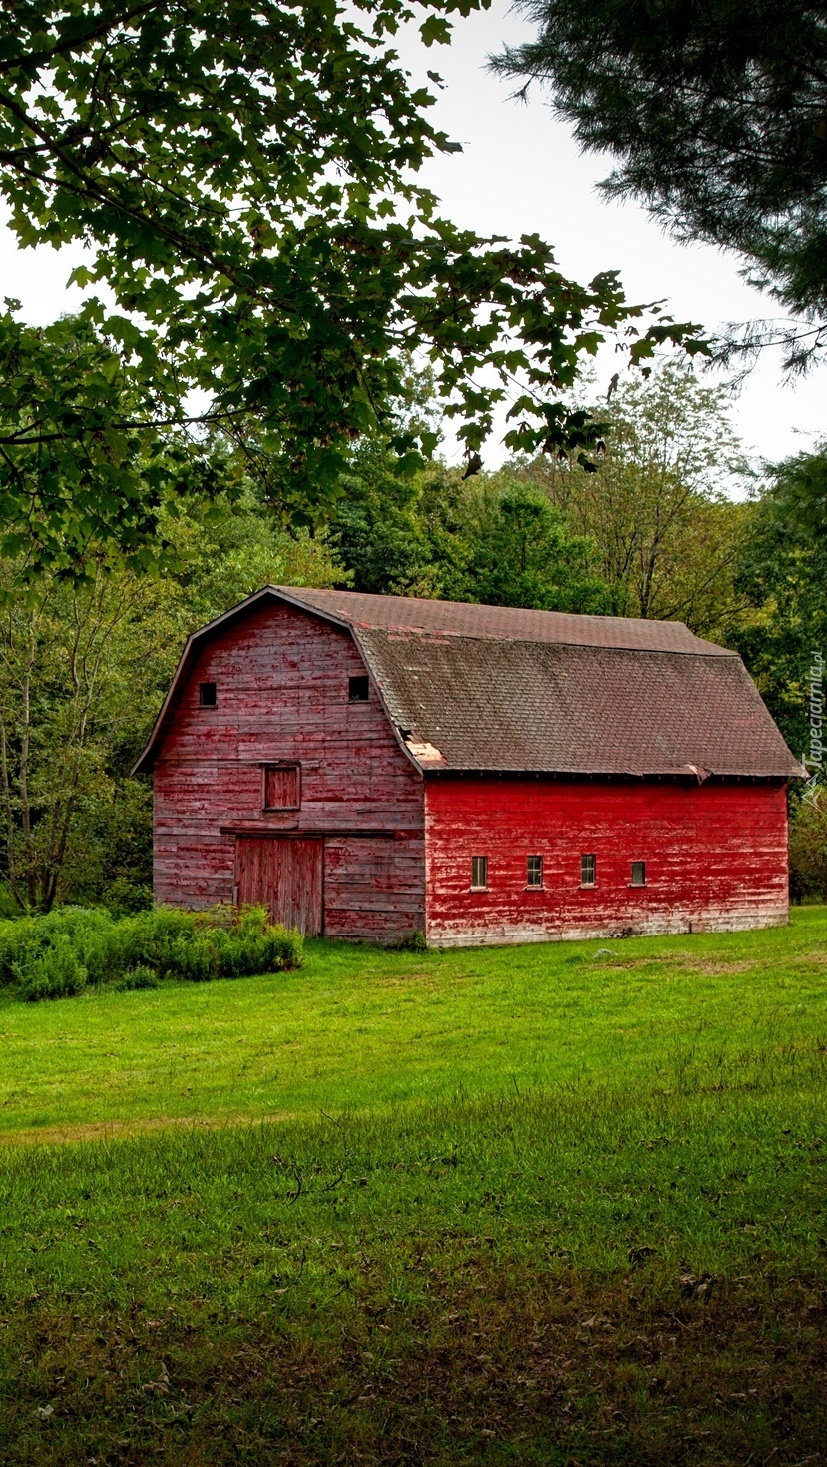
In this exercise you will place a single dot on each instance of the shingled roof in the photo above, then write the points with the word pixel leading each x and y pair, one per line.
pixel 499 689
pixel 410 614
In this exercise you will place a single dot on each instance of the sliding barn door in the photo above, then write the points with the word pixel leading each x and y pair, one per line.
pixel 284 875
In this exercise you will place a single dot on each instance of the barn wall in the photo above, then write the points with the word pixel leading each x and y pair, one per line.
pixel 282 680
pixel 716 858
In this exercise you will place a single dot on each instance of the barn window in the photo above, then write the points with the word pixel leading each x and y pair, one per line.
pixel 479 873
pixel 534 871
pixel 358 689
pixel 588 870
pixel 638 873
pixel 282 787
pixel 208 695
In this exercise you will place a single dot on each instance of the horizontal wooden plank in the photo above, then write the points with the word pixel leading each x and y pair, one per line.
pixel 282 695
pixel 715 858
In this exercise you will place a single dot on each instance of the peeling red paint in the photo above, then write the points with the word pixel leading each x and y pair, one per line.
pixel 388 845
pixel 716 857
pixel 282 695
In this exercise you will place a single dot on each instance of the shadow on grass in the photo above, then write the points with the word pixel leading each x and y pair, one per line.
pixel 548 1278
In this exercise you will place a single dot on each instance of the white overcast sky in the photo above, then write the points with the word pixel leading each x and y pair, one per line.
pixel 520 172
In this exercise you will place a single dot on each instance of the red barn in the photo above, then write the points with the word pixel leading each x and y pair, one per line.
pixel 373 765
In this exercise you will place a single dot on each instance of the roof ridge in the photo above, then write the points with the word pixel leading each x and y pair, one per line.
pixel 706 649
pixel 508 623
pixel 598 616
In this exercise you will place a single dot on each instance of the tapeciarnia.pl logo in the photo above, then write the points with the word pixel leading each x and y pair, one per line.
pixel 814 759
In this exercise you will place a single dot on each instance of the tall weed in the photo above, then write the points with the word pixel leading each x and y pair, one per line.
pixel 57 972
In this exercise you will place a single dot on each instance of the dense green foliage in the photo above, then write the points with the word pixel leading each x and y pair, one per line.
pixel 609 1251
pixel 715 113
pixel 244 180
pixel 83 671
pixel 667 536
pixel 808 846
pixel 84 667
pixel 80 462
pixel 59 954
pixel 490 539
pixel 651 533
pixel 783 576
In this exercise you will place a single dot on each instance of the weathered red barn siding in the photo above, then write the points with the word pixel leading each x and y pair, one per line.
pixel 716 857
pixel 282 681
pixel 636 742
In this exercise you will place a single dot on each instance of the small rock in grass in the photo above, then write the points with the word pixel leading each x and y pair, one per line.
pixel 696 1288
pixel 639 1255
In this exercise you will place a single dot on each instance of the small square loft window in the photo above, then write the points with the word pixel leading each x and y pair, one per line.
pixel 588 870
pixel 358 690
pixel 479 873
pixel 208 695
pixel 638 873
pixel 533 870
pixel 282 786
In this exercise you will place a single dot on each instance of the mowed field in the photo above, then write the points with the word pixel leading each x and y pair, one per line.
pixel 548 1204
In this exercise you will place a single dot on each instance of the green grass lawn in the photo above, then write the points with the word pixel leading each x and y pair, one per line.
pixel 359 1027
pixel 528 1205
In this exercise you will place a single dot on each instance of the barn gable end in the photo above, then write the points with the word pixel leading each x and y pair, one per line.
pixel 282 703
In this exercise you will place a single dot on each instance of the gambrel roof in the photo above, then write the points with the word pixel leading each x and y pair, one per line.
pixel 504 690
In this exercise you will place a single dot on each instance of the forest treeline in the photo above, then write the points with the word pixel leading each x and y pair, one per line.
pixel 671 523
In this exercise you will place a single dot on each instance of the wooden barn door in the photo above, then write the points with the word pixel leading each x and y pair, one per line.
pixel 284 875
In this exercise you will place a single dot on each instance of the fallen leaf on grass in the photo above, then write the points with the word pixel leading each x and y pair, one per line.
pixel 639 1255
pixel 696 1288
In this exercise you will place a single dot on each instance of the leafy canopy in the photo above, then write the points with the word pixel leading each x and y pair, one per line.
pixel 488 538
pixel 651 533
pixel 82 462
pixel 667 533
pixel 783 575
pixel 83 671
pixel 717 115
pixel 246 181
pixel 524 554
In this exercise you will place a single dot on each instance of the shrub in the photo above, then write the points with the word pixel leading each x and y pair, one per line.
pixel 16 939
pixel 89 932
pixel 195 960
pixel 141 977
pixel 56 973
pixel 192 946
pixel 94 936
pixel 250 921
pixel 123 897
pixel 412 942
pixel 154 937
pixel 286 949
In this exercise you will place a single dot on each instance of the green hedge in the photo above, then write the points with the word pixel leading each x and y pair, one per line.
pixel 72 948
